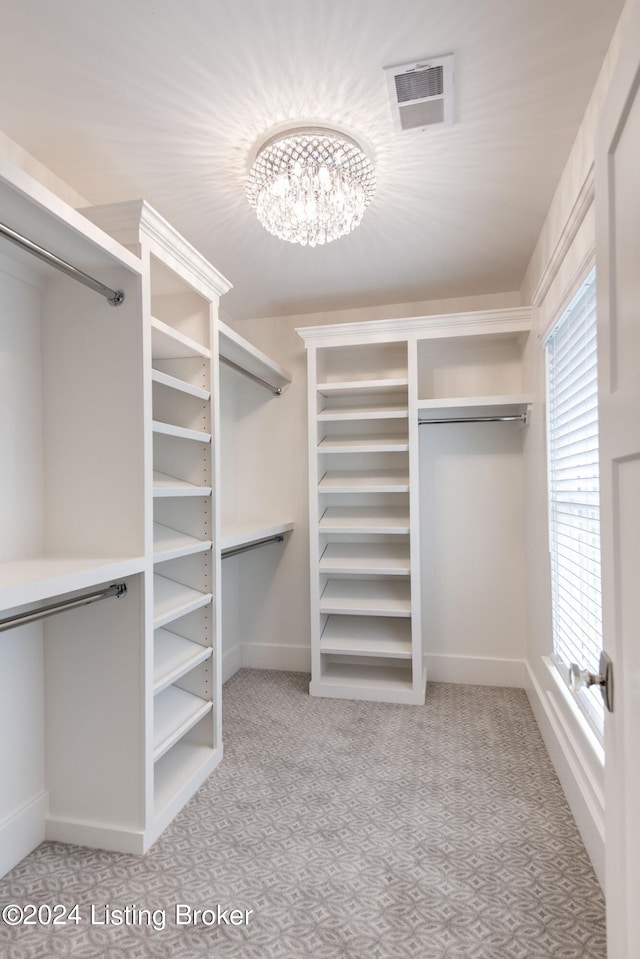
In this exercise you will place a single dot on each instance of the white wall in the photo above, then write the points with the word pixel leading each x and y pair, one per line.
pixel 563 250
pixel 12 151
pixel 266 592
pixel 473 553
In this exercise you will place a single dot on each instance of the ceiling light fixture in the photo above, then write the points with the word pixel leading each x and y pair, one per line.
pixel 310 185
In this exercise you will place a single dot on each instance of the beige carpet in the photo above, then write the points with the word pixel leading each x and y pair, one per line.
pixel 342 829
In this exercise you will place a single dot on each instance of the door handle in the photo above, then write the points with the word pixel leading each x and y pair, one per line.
pixel 604 679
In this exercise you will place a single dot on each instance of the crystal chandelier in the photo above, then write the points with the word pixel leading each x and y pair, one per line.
pixel 311 185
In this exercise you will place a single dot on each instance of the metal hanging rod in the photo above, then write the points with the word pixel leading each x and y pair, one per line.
pixel 234 550
pixel 114 297
pixel 20 619
pixel 252 376
pixel 519 418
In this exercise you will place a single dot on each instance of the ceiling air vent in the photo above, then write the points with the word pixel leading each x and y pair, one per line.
pixel 421 93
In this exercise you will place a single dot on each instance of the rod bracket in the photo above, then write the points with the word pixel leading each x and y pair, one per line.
pixel 117 299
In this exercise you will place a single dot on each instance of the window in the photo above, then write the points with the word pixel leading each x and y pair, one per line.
pixel 574 493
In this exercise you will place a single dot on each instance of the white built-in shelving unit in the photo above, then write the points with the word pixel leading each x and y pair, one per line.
pixel 110 428
pixel 370 386
pixel 182 509
pixel 365 611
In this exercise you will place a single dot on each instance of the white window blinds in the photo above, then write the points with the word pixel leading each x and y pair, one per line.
pixel 574 488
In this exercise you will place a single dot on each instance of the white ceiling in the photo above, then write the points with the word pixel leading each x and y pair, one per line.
pixel 166 99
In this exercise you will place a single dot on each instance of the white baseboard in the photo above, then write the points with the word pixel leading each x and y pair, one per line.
pixel 293 659
pixel 95 835
pixel 476 670
pixel 576 765
pixel 231 662
pixel 471 670
pixel 21 832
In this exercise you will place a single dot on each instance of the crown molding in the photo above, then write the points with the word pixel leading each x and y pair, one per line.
pixel 134 221
pixel 481 322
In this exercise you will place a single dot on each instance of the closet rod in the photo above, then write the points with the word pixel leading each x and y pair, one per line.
pixel 252 376
pixel 114 297
pixel 520 418
pixel 278 538
pixel 116 589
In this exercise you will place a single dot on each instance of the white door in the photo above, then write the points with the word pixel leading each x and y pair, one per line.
pixel 618 306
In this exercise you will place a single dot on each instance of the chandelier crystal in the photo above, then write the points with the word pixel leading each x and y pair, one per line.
pixel 310 186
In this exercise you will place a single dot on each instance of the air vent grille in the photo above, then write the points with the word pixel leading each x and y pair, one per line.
pixel 420 84
pixel 418 115
pixel 421 93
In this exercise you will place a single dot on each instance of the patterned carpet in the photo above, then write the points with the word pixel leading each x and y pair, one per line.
pixel 355 830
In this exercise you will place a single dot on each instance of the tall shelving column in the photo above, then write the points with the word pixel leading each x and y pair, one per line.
pixel 365 614
pixel 181 291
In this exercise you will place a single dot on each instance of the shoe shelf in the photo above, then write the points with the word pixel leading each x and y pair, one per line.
pixel 369 443
pixel 364 636
pixel 172 543
pixel 364 597
pixel 172 600
pixel 365 559
pixel 174 656
pixel 176 711
pixel 364 481
pixel 165 485
pixel 169 343
pixel 365 519
pixel 179 385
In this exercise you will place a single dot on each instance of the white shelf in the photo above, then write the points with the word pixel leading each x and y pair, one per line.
pixel 365 519
pixel 375 443
pixel 512 404
pixel 31 209
pixel 168 429
pixel 352 636
pixel 243 534
pixel 366 597
pixel 171 543
pixel 358 481
pixel 164 379
pixel 366 559
pixel 173 656
pixel 31 580
pixel 357 387
pixel 164 485
pixel 239 351
pixel 168 344
pixel 172 600
pixel 372 677
pixel 175 711
pixel 182 763
pixel 391 412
